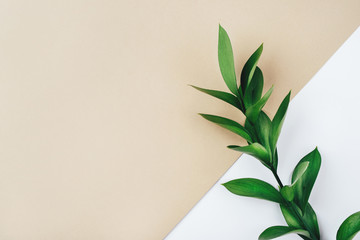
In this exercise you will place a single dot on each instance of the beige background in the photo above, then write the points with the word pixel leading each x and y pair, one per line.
pixel 99 137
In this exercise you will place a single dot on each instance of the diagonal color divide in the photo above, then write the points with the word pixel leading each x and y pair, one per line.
pixel 326 113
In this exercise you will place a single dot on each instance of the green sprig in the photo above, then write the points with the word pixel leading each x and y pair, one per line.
pixel 261 134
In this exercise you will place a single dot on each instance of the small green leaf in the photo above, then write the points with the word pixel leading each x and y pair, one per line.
pixel 303 185
pixel 290 217
pixel 254 90
pixel 311 219
pixel 228 124
pixel 253 111
pixel 278 231
pixel 278 121
pixel 251 130
pixel 349 228
pixel 287 192
pixel 226 61
pixel 249 68
pixel 226 97
pixel 255 150
pixel 251 187
pixel 262 128
pixel 275 159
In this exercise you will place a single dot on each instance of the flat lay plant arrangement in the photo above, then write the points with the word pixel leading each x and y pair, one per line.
pixel 261 134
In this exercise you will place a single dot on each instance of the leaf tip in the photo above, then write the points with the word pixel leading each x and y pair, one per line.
pixel 221 28
pixel 189 85
pixel 202 115
pixel 197 88
pixel 206 116
pixel 260 48
pixel 289 94
pixel 316 150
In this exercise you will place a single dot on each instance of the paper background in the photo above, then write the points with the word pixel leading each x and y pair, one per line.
pixel 99 137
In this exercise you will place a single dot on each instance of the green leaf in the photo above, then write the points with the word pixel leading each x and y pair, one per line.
pixel 255 150
pixel 349 228
pixel 287 192
pixel 228 124
pixel 309 217
pixel 274 159
pixel 303 185
pixel 226 61
pixel 311 220
pixel 253 111
pixel 251 187
pixel 254 90
pixel 299 171
pixel 251 130
pixel 278 231
pixel 226 97
pixel 290 216
pixel 262 128
pixel 278 121
pixel 249 68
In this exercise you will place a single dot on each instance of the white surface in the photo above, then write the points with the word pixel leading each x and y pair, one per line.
pixel 326 114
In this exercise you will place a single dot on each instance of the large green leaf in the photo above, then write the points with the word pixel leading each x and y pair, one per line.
pixel 253 111
pixel 255 150
pixel 254 91
pixel 226 61
pixel 228 124
pixel 303 184
pixel 349 228
pixel 251 187
pixel 249 68
pixel 278 231
pixel 278 121
pixel 226 97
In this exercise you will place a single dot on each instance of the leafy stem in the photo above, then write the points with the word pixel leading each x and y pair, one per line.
pixel 261 134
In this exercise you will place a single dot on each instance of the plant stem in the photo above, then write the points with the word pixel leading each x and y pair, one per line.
pixel 277 177
pixel 293 208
